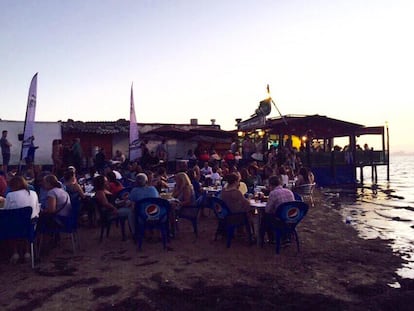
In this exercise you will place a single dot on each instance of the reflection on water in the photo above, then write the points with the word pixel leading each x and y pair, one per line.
pixel 385 210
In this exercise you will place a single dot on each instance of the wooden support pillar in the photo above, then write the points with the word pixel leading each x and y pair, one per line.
pixel 361 174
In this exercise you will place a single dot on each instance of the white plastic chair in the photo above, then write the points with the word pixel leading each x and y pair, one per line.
pixel 306 192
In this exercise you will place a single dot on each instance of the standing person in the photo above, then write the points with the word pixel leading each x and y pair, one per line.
pixel 57 155
pixel 247 148
pixel 77 154
pixel 161 151
pixel 145 154
pixel 5 150
pixel 100 161
pixel 66 155
pixel 234 146
pixel 31 152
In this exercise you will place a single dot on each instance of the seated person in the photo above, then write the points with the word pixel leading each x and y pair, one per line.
pixel 214 156
pixel 20 196
pixel 58 200
pixel 71 184
pixel 142 190
pixel 284 176
pixel 233 197
pixel 277 196
pixel 57 204
pixel 204 156
pixel 114 185
pixel 190 155
pixel 183 190
pixel 229 157
pixel 215 176
pixel 3 183
pixel 160 179
pixel 196 184
pixel 305 176
pixel 197 172
pixel 206 169
pixel 104 199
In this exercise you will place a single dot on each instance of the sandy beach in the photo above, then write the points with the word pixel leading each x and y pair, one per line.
pixel 335 270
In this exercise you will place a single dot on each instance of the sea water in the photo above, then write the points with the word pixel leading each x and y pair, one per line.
pixel 383 210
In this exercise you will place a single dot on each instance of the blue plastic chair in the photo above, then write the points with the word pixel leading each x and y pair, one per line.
pixel 288 215
pixel 297 196
pixel 17 224
pixel 106 219
pixel 228 221
pixel 190 213
pixel 152 213
pixel 65 224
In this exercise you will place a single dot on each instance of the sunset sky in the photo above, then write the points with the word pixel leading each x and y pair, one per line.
pixel 351 60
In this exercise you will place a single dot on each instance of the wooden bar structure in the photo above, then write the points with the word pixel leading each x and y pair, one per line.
pixel 329 165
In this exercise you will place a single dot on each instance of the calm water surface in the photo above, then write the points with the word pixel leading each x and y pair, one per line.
pixel 385 210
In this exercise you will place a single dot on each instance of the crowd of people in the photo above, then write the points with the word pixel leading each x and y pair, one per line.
pixel 118 184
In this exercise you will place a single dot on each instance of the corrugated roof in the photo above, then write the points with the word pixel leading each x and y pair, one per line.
pixel 320 126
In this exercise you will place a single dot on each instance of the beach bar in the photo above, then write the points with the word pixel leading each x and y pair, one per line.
pixel 313 136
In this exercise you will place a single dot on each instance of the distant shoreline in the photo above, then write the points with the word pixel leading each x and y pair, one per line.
pixel 403 153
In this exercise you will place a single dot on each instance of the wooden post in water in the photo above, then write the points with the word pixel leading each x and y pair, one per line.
pixel 388 152
pixel 361 174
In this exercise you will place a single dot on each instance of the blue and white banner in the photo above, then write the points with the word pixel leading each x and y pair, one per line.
pixel 30 117
pixel 134 144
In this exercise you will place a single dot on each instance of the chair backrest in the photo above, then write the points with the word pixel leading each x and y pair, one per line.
pixel 74 215
pixel 16 223
pixel 298 197
pixel 123 191
pixel 152 209
pixel 305 189
pixel 292 212
pixel 219 207
pixel 103 215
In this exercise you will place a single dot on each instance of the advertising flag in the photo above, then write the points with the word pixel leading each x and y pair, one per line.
pixel 30 117
pixel 134 147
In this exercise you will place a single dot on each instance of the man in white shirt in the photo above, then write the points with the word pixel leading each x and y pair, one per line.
pixel 206 169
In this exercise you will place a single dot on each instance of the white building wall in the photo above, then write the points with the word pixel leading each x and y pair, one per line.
pixel 44 133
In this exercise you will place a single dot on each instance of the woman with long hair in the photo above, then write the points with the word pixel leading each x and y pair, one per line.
pixel 105 199
pixel 183 190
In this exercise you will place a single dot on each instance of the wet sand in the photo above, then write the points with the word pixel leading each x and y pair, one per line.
pixel 335 270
